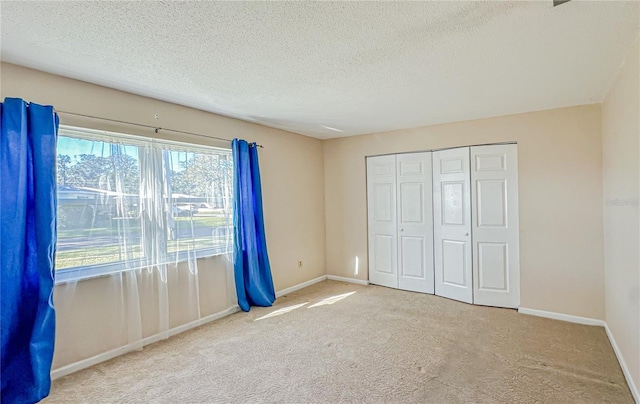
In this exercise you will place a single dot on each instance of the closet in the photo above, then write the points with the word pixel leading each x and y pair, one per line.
pixel 446 222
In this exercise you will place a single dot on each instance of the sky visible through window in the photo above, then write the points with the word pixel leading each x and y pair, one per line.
pixel 74 147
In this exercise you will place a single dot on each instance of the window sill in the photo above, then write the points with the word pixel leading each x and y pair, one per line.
pixel 69 275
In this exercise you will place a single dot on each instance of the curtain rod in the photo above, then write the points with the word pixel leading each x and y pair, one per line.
pixel 155 128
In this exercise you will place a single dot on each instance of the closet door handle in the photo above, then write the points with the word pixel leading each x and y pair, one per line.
pixel 466 234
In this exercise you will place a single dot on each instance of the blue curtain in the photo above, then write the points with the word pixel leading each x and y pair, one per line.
pixel 254 284
pixel 27 246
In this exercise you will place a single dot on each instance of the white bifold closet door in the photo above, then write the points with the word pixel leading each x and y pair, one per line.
pixel 383 228
pixel 452 224
pixel 494 188
pixel 446 222
pixel 400 221
pixel 415 222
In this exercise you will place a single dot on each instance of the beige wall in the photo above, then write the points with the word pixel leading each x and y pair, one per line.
pixel 293 195
pixel 560 197
pixel 621 171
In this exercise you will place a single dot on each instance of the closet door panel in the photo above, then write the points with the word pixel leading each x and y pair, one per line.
pixel 382 221
pixel 452 224
pixel 454 263
pixel 415 222
pixel 494 179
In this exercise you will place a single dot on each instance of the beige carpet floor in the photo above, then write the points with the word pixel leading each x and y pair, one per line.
pixel 335 342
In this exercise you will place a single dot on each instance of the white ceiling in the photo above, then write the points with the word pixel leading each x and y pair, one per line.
pixel 330 69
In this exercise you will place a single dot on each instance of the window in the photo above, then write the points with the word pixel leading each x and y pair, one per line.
pixel 126 202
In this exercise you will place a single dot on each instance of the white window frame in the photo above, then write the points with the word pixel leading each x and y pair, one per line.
pixel 66 275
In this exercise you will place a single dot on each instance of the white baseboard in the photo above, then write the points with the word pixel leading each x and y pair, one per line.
pixel 344 279
pixel 94 360
pixel 203 320
pixel 562 317
pixel 319 279
pixel 300 286
pixel 105 356
pixel 627 374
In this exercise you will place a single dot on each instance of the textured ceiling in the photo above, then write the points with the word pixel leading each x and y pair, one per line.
pixel 329 69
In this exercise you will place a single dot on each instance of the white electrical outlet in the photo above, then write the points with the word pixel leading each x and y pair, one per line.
pixel 300 264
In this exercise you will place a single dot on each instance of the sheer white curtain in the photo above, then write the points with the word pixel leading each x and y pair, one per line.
pixel 144 240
